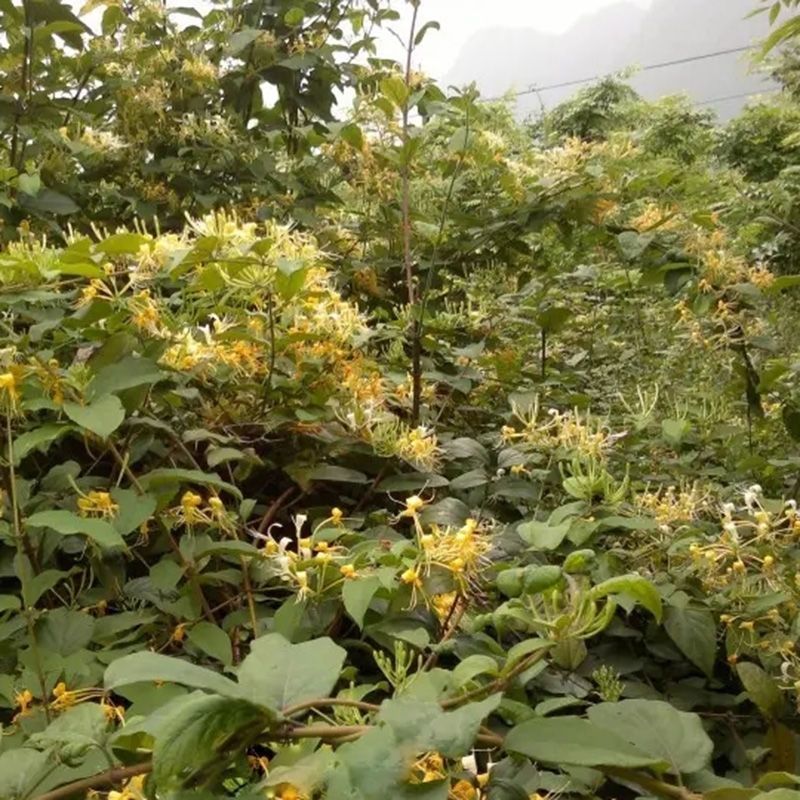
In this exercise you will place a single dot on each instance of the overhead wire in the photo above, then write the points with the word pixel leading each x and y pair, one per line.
pixel 645 68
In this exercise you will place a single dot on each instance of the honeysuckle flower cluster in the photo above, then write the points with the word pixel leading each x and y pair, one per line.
pixel 565 430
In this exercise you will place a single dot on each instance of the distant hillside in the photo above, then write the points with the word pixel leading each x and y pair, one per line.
pixel 616 37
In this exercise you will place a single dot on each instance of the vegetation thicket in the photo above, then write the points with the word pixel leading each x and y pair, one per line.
pixel 362 442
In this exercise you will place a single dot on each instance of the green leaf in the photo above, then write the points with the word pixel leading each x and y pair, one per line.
pixel 761 688
pixel 695 633
pixel 145 666
pixel 553 319
pixel 77 730
pixel 134 509
pixel 357 594
pixel 118 244
pixel 9 602
pixel 48 201
pixel 658 729
pixel 330 472
pixel 370 768
pixel 395 90
pixel 472 666
pixel 433 25
pixel 542 535
pixel 212 640
pixel 240 40
pixel 38 438
pixel 200 741
pixel 38 585
pixel 578 742
pixel 68 523
pixel 294 16
pixel 411 482
pixel 101 416
pixel 353 135
pixel 791 421
pixel 21 769
pixel 675 430
pixel 64 631
pixel 278 674
pixel 172 478
pixel 634 586
pixel 29 184
pixel 424 724
pixel 633 244
pixel 125 374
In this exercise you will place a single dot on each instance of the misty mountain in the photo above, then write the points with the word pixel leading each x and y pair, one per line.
pixel 619 36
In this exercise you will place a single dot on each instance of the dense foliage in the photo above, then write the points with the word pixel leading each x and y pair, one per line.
pixel 399 450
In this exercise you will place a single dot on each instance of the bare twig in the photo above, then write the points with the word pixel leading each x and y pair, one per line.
pixel 110 777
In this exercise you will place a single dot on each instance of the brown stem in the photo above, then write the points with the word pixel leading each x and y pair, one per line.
pixel 110 777
pixel 654 785
pixel 273 510
pixel 454 616
pixel 327 731
pixel 405 172
pixel 290 711
pixel 500 683
pixel 248 590
pixel 191 573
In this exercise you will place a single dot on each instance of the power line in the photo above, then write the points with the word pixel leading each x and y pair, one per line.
pixel 735 97
pixel 646 68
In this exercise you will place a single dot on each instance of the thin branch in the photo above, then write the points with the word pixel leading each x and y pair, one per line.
pixel 110 777
pixel 290 711
pixel 500 683
pixel 405 172
pixel 651 784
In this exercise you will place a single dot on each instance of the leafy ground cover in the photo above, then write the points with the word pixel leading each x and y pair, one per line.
pixel 419 454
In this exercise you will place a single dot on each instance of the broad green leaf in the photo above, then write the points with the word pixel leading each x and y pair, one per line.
pixel 173 478
pixel 212 640
pixel 201 740
pixel 553 319
pixel 658 729
pixel 118 244
pixel 20 771
pixel 294 16
pixel 240 40
pixel 573 741
pixel 357 594
pixel 395 90
pixel 695 633
pixel 424 724
pixel 675 430
pixel 79 729
pixel 9 602
pixel 411 482
pixel 48 201
pixel 134 509
pixel 278 674
pixel 330 472
pixel 433 25
pixel 39 438
pixel 633 244
pixel 145 666
pixel 472 666
pixel 761 688
pixel 34 588
pixel 542 535
pixel 64 631
pixel 370 768
pixel 101 416
pixel 125 374
pixel 634 586
pixel 68 523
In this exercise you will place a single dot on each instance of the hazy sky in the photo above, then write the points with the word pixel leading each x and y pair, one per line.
pixel 461 18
